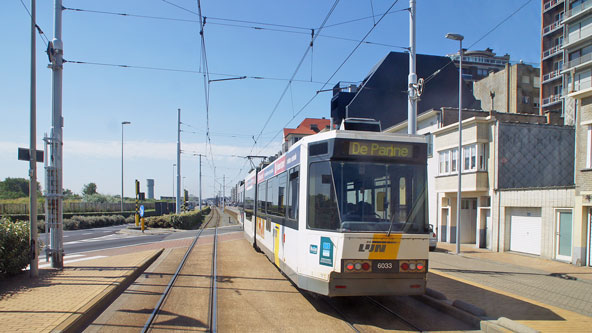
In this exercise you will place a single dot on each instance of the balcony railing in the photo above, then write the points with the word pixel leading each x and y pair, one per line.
pixel 585 83
pixel 576 62
pixel 578 9
pixel 577 35
pixel 550 4
pixel 552 75
pixel 551 100
pixel 552 27
pixel 552 51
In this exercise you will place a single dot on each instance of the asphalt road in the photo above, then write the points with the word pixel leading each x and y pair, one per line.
pixel 79 241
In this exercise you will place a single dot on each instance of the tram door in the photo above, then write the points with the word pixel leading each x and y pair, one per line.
pixel 276 245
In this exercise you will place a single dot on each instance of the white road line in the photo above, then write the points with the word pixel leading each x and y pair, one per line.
pixel 75 260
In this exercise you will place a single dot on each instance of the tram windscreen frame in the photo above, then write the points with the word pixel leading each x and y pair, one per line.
pixel 355 196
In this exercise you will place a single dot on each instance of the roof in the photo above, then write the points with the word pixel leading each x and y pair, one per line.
pixel 306 127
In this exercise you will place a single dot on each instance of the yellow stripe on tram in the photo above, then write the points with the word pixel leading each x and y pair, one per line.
pixel 385 247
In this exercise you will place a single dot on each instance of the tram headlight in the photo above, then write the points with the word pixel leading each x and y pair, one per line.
pixel 412 266
pixel 358 266
pixel 349 266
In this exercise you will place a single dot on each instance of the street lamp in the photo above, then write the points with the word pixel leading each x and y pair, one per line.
pixel 458 163
pixel 122 123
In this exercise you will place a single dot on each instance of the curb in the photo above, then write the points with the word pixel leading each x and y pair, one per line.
pixel 77 321
pixel 446 307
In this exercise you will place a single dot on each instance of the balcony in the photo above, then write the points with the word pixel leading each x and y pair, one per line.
pixel 577 11
pixel 574 38
pixel 555 50
pixel 556 74
pixel 553 99
pixel 552 27
pixel 580 89
pixel 471 182
pixel 551 4
pixel 578 62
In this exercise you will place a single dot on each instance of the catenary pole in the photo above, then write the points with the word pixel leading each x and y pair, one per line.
pixel 200 183
pixel 412 78
pixel 34 252
pixel 178 201
pixel 458 163
pixel 55 209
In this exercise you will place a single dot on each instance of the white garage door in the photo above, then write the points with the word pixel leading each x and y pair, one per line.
pixel 525 230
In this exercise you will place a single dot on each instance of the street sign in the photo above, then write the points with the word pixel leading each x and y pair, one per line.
pixel 141 211
pixel 24 155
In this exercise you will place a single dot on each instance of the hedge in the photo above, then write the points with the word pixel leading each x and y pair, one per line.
pixel 186 221
pixel 87 222
pixel 14 246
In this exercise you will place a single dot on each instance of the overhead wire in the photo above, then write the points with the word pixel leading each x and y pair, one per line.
pixel 334 73
pixel 431 76
pixel 37 27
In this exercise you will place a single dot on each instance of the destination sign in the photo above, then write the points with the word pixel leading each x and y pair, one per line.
pixel 380 149
pixel 385 151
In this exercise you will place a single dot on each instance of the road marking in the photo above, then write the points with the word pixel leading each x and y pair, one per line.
pixel 75 260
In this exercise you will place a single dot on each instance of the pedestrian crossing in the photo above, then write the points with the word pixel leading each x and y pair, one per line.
pixel 100 239
pixel 68 259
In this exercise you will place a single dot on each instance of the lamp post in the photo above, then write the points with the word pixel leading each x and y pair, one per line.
pixel 122 123
pixel 458 159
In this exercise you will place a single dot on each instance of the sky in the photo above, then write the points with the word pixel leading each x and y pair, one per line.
pixel 264 40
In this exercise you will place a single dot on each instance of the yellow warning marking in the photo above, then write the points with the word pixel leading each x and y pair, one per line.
pixel 276 246
pixel 383 246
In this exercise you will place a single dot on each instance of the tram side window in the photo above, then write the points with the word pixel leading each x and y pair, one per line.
pixel 261 196
pixel 322 203
pixel 249 202
pixel 272 203
pixel 293 184
pixel 281 211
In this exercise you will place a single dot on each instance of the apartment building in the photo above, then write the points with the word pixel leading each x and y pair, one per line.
pixel 514 89
pixel 477 64
pixel 552 56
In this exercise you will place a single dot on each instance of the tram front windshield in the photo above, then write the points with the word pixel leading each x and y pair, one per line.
pixel 359 196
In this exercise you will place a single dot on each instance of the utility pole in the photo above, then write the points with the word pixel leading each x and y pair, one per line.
pixel 54 213
pixel 412 78
pixel 223 192
pixel 199 155
pixel 178 201
pixel 34 254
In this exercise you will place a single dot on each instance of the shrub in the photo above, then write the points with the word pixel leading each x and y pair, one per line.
pixel 163 221
pixel 14 246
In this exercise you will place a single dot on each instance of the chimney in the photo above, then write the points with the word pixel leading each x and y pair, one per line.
pixel 314 127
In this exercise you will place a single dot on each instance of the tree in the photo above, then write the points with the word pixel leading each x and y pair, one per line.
pixel 13 188
pixel 89 189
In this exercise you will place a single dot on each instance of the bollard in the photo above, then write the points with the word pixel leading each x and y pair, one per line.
pixel 143 223
pixel 137 219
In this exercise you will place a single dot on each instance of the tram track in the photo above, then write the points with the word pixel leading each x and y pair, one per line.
pixel 211 321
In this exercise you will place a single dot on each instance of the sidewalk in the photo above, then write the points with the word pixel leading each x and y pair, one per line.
pixel 545 295
pixel 65 300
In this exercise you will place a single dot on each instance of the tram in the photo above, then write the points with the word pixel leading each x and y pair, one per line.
pixel 344 213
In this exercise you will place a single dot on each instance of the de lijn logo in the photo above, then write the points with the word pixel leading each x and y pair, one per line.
pixel 373 247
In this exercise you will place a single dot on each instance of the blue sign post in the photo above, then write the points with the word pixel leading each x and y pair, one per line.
pixel 141 211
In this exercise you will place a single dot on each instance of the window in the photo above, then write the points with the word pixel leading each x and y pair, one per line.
pixel 467 158
pixel 444 162
pixel 526 79
pixel 293 184
pixel 483 157
pixel 272 198
pixel 322 203
pixel 249 200
pixel 430 142
pixel 589 148
pixel 525 99
pixel 261 189
pixel 282 180
pixel 454 163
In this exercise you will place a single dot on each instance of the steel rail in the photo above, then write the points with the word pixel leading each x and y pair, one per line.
pixel 385 308
pixel 213 315
pixel 174 277
pixel 339 312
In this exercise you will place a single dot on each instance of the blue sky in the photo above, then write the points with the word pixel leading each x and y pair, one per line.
pixel 98 98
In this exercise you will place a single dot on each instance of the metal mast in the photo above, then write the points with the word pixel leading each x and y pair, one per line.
pixel 54 170
pixel 34 262
pixel 412 78
pixel 178 201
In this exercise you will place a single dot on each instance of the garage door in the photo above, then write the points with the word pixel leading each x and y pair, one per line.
pixel 525 230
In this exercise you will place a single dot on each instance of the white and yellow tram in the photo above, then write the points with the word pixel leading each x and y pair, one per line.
pixel 344 213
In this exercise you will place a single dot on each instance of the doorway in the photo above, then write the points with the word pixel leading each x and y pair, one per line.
pixel 563 236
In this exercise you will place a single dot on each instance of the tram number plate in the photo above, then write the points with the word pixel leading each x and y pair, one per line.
pixel 385 266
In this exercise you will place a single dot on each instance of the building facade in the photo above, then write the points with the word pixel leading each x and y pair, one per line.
pixel 552 56
pixel 514 89
pixel 477 64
